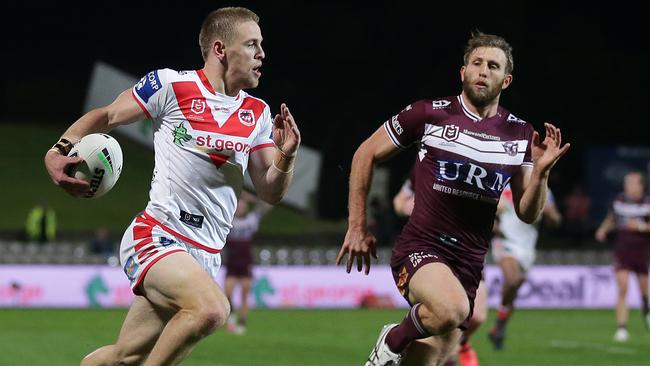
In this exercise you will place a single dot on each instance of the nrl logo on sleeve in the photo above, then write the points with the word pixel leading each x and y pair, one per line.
pixel 511 148
pixel 450 132
pixel 246 117
pixel 439 104
pixel 198 106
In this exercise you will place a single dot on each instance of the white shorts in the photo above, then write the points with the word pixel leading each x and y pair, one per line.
pixel 523 254
pixel 146 241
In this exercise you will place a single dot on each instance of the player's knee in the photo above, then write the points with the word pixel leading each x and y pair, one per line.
pixel 478 318
pixel 446 317
pixel 211 317
pixel 514 281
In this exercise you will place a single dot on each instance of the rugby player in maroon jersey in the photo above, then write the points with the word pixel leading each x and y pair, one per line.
pixel 469 149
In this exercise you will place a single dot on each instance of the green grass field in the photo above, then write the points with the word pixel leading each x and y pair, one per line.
pixel 325 337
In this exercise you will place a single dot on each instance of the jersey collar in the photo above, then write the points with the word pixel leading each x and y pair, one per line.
pixel 207 85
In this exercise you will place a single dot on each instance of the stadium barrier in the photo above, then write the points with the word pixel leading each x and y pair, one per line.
pixel 79 286
pixel 266 252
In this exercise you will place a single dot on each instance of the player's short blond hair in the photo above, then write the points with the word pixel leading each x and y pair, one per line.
pixel 480 39
pixel 222 24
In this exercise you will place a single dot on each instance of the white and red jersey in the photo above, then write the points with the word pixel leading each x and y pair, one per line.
pixel 515 230
pixel 518 239
pixel 202 141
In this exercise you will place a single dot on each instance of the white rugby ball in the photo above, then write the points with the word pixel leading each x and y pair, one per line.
pixel 101 165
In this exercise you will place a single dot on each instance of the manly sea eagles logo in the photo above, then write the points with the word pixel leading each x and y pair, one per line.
pixel 511 148
pixel 198 106
pixel 246 117
pixel 450 133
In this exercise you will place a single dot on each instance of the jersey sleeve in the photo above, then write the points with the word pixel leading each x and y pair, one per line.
pixel 528 156
pixel 407 126
pixel 149 93
pixel 264 136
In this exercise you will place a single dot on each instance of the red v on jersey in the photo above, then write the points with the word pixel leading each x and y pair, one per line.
pixel 199 114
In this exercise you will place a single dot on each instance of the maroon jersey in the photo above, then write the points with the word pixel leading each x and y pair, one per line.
pixel 632 248
pixel 463 164
pixel 239 245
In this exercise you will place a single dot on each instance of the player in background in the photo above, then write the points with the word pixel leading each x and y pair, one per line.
pixel 207 133
pixel 469 148
pixel 513 249
pixel 403 203
pixel 239 257
pixel 628 217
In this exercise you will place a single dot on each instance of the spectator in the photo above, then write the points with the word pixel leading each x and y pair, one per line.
pixel 41 224
pixel 576 212
pixel 102 244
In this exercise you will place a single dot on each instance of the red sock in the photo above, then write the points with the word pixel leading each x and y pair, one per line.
pixel 503 313
pixel 409 329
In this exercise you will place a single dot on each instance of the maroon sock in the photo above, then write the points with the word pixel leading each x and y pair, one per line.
pixel 409 329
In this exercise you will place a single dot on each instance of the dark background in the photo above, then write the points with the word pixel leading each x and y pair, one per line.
pixel 345 68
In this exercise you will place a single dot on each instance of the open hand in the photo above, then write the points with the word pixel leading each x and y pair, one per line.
pixel 285 131
pixel 359 245
pixel 58 165
pixel 547 152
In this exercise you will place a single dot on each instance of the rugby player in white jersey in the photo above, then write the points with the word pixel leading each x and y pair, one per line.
pixel 207 133
pixel 513 249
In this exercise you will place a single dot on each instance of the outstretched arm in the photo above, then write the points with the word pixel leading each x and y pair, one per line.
pixel 529 188
pixel 605 227
pixel 123 110
pixel 271 170
pixel 359 244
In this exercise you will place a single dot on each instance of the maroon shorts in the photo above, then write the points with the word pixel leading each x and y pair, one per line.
pixel 636 261
pixel 239 259
pixel 404 264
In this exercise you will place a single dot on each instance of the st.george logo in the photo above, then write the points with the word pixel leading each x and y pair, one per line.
pixel 511 148
pixel 450 132
pixel 246 117
pixel 198 106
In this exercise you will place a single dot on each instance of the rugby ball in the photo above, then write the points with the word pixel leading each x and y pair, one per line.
pixel 101 165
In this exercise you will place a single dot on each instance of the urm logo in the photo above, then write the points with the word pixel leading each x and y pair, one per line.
pixel 472 174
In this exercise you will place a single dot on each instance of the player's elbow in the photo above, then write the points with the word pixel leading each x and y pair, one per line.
pixel 527 216
pixel 271 198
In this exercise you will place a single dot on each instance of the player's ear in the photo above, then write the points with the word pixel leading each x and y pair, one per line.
pixel 462 73
pixel 507 81
pixel 219 49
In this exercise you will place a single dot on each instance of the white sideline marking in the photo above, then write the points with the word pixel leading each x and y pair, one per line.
pixel 557 343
